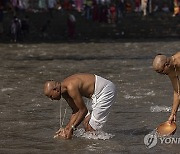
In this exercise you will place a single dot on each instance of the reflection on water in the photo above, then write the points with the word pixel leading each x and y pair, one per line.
pixel 29 120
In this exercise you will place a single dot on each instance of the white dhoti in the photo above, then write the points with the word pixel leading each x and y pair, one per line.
pixel 101 102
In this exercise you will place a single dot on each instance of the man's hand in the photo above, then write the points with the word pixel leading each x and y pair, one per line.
pixel 60 129
pixel 60 133
pixel 64 133
pixel 68 133
pixel 172 118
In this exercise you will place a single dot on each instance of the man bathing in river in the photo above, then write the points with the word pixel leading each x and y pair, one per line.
pixel 170 66
pixel 73 88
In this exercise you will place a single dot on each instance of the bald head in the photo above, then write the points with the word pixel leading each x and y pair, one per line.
pixel 159 62
pixel 48 87
pixel 52 89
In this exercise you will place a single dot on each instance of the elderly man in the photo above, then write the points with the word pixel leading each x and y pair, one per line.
pixel 170 66
pixel 100 91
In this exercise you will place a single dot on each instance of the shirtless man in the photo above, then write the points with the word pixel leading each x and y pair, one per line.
pixel 100 91
pixel 170 66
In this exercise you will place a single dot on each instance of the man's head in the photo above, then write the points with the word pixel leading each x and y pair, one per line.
pixel 52 89
pixel 161 64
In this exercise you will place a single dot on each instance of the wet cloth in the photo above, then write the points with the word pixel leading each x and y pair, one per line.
pixel 100 102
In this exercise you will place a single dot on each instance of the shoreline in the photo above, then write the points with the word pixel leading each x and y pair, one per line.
pixel 132 27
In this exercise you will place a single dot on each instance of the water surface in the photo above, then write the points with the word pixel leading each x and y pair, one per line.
pixel 29 120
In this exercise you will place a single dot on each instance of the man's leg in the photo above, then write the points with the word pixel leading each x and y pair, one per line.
pixel 86 124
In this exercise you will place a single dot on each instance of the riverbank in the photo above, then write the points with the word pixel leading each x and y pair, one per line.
pixel 133 26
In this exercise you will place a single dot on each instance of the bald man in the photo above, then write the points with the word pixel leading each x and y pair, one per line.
pixel 170 66
pixel 99 92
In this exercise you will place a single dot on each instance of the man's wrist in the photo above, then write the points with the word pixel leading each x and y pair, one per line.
pixel 73 127
pixel 173 113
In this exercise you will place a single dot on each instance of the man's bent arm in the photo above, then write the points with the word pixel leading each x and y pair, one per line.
pixel 82 113
pixel 74 113
pixel 72 120
pixel 174 110
pixel 79 103
pixel 175 103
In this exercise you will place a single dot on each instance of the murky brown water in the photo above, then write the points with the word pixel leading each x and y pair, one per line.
pixel 28 120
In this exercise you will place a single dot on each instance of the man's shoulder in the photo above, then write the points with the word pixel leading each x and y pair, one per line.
pixel 177 53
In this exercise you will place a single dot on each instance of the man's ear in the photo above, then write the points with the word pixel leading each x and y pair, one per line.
pixel 56 89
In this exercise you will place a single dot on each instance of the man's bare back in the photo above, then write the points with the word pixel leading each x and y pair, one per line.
pixel 83 82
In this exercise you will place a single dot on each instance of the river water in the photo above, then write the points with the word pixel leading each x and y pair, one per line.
pixel 29 120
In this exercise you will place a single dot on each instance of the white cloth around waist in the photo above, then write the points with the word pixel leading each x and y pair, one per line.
pixel 101 102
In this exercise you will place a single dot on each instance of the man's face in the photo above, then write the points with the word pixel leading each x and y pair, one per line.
pixel 55 95
pixel 164 68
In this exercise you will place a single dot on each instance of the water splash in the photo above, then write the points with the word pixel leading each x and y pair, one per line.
pixel 154 132
pixel 97 135
pixel 7 89
pixel 160 109
pixel 151 93
pixel 132 97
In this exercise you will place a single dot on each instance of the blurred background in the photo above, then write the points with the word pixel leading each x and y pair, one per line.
pixel 77 20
